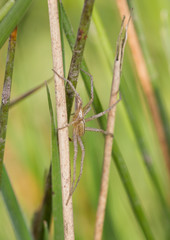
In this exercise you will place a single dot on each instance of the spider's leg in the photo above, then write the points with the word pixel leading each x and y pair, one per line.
pixel 74 166
pixel 74 160
pixel 87 107
pixel 98 130
pixel 69 124
pixel 86 110
pixel 71 85
pixel 82 161
pixel 104 112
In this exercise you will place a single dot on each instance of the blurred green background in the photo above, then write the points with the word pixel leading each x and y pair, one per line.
pixel 28 146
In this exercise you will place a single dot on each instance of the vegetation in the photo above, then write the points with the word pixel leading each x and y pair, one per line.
pixel 138 198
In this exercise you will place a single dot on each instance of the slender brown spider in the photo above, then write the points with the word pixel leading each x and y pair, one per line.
pixel 79 128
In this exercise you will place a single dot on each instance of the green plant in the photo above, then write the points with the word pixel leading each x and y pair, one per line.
pixel 136 151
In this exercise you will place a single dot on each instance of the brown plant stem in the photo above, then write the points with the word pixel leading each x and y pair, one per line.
pixel 61 119
pixel 75 64
pixel 29 93
pixel 110 128
pixel 145 81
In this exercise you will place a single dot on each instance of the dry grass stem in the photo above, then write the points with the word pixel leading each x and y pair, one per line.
pixel 61 119
pixel 144 78
pixel 110 128
pixel 29 93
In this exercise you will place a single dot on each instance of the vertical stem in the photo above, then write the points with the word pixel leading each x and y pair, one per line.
pixel 109 140
pixel 78 51
pixel 61 119
pixel 6 95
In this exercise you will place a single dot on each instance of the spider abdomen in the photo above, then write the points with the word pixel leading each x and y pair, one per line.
pixel 79 128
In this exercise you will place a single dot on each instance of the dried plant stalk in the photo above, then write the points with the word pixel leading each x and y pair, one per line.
pixel 61 119
pixel 110 128
pixel 29 93
pixel 144 78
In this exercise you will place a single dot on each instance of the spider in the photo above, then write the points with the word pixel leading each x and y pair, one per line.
pixel 79 127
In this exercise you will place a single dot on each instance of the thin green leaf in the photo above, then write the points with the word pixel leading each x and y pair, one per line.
pixel 132 195
pixel 45 231
pixel 6 95
pixel 78 51
pixel 152 70
pixel 71 39
pixel 103 38
pixel 128 102
pixel 20 227
pixel 11 20
pixel 5 9
pixel 56 180
pixel 44 213
pixel 164 117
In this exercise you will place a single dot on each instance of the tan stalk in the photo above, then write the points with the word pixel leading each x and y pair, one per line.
pixel 110 128
pixel 145 80
pixel 61 119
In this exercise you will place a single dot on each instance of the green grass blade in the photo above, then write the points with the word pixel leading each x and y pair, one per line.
pixel 6 93
pixel 129 102
pixel 71 40
pixel 11 20
pixel 44 213
pixel 45 231
pixel 103 38
pixel 120 163
pixel 134 200
pixel 17 219
pixel 144 151
pixel 153 71
pixel 20 227
pixel 164 117
pixel 56 180
pixel 5 9
pixel 78 50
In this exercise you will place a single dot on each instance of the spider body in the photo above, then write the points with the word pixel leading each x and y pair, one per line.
pixel 79 119
pixel 79 128
pixel 79 125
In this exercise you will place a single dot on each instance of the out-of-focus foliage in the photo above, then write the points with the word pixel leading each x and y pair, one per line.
pixel 28 146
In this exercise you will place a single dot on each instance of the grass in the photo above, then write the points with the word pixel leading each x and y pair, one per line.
pixel 28 145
